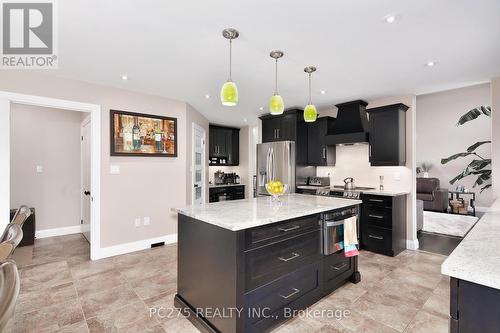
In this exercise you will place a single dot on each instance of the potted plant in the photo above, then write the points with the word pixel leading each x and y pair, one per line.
pixel 424 169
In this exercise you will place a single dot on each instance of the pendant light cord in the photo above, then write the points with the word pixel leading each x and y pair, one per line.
pixel 276 79
pixel 310 88
pixel 230 58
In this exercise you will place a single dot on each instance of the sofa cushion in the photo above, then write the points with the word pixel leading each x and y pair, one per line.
pixel 425 196
pixel 427 185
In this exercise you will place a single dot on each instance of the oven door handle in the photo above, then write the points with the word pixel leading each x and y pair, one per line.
pixel 334 223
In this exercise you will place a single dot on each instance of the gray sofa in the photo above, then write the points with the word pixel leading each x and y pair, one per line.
pixel 434 197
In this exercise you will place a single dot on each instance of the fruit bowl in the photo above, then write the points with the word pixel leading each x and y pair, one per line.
pixel 276 189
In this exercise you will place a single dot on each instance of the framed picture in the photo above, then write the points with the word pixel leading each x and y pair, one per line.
pixel 138 134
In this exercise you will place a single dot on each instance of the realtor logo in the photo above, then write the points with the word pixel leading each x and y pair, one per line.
pixel 28 35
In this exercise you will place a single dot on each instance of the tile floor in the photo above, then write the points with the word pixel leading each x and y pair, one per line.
pixel 63 291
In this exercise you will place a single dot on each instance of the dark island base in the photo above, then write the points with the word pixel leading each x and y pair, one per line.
pixel 256 278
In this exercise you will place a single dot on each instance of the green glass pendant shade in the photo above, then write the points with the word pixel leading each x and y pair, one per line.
pixel 310 113
pixel 229 94
pixel 276 105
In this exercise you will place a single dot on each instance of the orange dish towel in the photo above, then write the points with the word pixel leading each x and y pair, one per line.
pixel 351 237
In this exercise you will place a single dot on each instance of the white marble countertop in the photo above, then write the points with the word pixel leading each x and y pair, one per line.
pixel 223 185
pixel 244 214
pixel 389 193
pixel 477 257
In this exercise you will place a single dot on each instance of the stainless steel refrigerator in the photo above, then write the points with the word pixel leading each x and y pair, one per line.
pixel 275 161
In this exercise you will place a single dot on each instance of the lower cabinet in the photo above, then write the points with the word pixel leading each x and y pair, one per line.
pixel 268 273
pixel 383 224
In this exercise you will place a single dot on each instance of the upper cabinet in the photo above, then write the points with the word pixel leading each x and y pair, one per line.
pixel 387 127
pixel 290 126
pixel 318 153
pixel 224 145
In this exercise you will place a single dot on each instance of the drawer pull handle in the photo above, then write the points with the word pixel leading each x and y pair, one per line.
pixel 295 227
pixel 294 255
pixel 376 200
pixel 338 268
pixel 295 292
pixel 376 237
pixel 376 216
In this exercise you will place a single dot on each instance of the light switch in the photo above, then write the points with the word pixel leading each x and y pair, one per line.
pixel 114 169
pixel 147 220
pixel 39 169
pixel 137 221
pixel 397 176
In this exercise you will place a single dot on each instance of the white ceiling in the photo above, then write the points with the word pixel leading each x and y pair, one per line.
pixel 175 48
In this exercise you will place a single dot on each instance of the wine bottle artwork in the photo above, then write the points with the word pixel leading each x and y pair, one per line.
pixel 127 137
pixel 158 139
pixel 136 135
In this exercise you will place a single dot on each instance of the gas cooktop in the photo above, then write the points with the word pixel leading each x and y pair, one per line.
pixel 360 188
pixel 339 191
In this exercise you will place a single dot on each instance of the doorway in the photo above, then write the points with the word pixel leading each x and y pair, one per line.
pixel 85 167
pixel 198 163
pixel 6 101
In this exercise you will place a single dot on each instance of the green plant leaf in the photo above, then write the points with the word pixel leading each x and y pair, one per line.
pixel 484 175
pixel 479 164
pixel 476 145
pixel 474 113
pixel 454 157
pixel 484 188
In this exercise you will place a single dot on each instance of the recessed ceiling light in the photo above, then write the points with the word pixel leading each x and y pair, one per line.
pixel 124 77
pixel 430 64
pixel 391 18
pixel 323 92
pixel 207 96
pixel 245 120
pixel 261 108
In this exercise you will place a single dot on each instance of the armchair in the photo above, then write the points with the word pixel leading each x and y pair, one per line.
pixel 434 197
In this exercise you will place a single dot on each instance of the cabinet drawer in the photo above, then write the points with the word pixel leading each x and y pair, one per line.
pixel 335 265
pixel 377 200
pixel 377 216
pixel 275 232
pixel 375 238
pixel 267 263
pixel 273 296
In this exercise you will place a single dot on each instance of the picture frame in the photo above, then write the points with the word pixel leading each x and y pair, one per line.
pixel 140 134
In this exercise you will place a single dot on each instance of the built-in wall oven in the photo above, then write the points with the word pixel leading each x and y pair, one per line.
pixel 333 228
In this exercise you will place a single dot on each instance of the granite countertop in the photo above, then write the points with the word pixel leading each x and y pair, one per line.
pixel 244 214
pixel 224 185
pixel 477 258
pixel 389 193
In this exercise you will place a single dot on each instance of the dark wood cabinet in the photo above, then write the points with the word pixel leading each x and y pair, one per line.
pixel 226 193
pixel 473 307
pixel 383 224
pixel 318 152
pixel 387 127
pixel 290 126
pixel 265 271
pixel 224 145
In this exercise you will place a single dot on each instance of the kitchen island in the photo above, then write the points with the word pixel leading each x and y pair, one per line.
pixel 474 270
pixel 247 265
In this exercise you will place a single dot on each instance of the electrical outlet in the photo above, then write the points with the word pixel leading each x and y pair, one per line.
pixel 114 169
pixel 397 176
pixel 39 169
pixel 137 222
pixel 147 220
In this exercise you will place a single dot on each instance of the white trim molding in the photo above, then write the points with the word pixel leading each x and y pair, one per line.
pixel 76 229
pixel 412 244
pixel 144 244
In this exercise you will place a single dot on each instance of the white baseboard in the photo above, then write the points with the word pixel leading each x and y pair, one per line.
pixel 482 209
pixel 115 250
pixel 412 244
pixel 58 231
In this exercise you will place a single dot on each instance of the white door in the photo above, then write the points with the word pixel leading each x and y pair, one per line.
pixel 85 160
pixel 198 163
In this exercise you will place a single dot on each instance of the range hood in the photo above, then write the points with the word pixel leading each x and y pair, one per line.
pixel 351 125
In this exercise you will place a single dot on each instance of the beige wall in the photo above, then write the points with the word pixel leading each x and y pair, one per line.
pixel 495 154
pixel 193 116
pixel 147 186
pixel 353 161
pixel 439 137
pixel 49 138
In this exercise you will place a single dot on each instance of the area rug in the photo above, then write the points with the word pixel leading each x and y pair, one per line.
pixel 448 224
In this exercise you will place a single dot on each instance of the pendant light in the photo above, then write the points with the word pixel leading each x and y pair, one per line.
pixel 276 105
pixel 229 91
pixel 310 113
